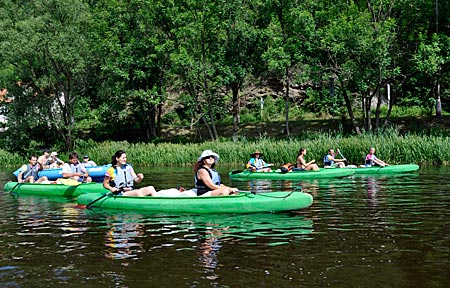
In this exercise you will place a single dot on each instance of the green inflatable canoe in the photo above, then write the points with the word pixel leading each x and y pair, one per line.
pixel 387 169
pixel 52 189
pixel 296 175
pixel 245 202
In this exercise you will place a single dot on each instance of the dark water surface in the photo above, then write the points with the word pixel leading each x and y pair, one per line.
pixel 362 231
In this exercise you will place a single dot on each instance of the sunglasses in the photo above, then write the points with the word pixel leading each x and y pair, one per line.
pixel 210 157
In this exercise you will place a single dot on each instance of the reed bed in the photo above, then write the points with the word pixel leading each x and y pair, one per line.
pixel 8 159
pixel 390 147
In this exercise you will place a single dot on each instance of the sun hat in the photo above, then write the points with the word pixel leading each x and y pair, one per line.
pixel 207 153
pixel 54 154
pixel 256 152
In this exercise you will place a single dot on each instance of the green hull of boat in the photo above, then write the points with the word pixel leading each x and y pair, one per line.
pixel 53 189
pixel 296 175
pixel 242 203
pixel 403 168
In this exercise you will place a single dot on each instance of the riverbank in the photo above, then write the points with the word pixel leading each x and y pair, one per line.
pixel 422 140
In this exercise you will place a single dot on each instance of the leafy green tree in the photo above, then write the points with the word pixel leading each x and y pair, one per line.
pixel 45 44
pixel 197 46
pixel 357 43
pixel 240 48
pixel 289 35
pixel 429 61
pixel 133 45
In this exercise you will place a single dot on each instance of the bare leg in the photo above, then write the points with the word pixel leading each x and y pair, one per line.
pixel 43 178
pixel 144 191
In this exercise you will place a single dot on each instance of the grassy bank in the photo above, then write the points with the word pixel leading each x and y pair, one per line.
pixel 395 149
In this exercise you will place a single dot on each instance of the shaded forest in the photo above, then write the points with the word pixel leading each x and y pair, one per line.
pixel 78 70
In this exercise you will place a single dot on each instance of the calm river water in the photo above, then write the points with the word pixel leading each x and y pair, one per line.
pixel 362 231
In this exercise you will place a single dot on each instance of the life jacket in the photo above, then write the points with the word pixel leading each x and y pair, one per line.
pixel 327 162
pixel 201 186
pixel 34 172
pixel 286 167
pixel 257 163
pixel 78 168
pixel 369 160
pixel 121 175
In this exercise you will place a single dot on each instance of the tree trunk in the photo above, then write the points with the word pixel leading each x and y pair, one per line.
pixel 286 98
pixel 211 135
pixel 236 112
pixel 377 112
pixel 438 100
pixel 390 101
pixel 348 105
pixel 368 123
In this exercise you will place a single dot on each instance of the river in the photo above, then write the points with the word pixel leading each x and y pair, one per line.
pixel 361 231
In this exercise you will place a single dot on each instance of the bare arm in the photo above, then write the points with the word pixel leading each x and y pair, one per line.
pixel 203 175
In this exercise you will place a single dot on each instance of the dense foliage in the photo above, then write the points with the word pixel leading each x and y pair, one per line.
pixel 110 69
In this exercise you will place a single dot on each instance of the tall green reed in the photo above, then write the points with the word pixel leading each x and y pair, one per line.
pixel 390 147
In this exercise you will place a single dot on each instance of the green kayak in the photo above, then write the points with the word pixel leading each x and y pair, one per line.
pixel 51 189
pixel 245 202
pixel 296 175
pixel 387 169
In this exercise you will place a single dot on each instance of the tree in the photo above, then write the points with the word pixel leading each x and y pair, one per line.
pixel 45 43
pixel 241 49
pixel 289 34
pixel 133 45
pixel 357 43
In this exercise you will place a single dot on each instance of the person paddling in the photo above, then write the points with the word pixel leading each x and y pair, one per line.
pixel 75 170
pixel 256 164
pixel 122 175
pixel 330 161
pixel 372 160
pixel 29 172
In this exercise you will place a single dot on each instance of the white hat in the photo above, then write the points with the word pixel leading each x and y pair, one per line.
pixel 207 153
pixel 54 154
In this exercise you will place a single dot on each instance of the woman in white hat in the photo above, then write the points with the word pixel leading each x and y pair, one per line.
pixel 207 179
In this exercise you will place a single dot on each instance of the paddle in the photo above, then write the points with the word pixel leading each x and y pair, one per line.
pixel 24 177
pixel 343 157
pixel 121 187
pixel 378 170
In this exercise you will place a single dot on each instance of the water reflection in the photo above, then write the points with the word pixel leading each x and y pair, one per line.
pixel 203 233
pixel 209 247
pixel 360 227
pixel 122 238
